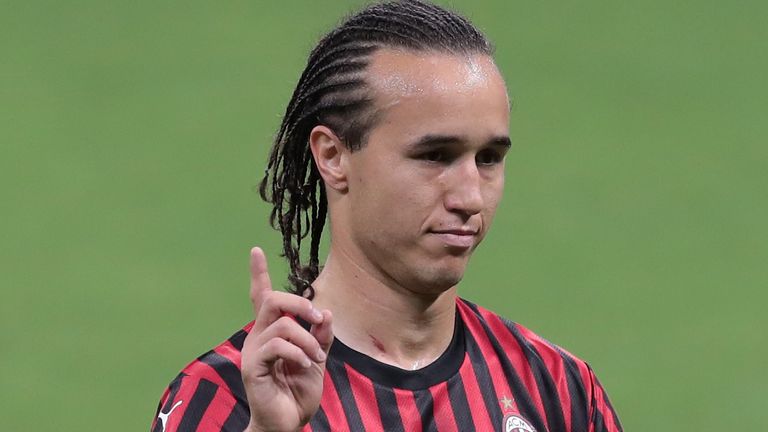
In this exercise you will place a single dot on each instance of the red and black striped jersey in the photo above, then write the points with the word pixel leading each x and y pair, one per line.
pixel 496 375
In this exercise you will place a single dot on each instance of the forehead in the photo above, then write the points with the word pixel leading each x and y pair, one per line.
pixel 403 73
pixel 417 93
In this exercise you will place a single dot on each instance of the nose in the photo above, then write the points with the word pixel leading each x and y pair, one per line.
pixel 464 189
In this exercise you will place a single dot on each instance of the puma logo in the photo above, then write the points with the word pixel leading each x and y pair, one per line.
pixel 163 417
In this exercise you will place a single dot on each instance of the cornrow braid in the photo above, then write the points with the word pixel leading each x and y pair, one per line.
pixel 332 91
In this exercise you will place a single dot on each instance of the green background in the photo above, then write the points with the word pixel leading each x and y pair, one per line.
pixel 632 232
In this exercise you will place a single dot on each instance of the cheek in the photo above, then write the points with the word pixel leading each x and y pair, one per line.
pixel 405 209
pixel 494 196
pixel 492 200
pixel 394 212
pixel 395 188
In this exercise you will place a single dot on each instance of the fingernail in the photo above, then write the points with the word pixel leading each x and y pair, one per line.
pixel 306 363
pixel 320 355
pixel 316 314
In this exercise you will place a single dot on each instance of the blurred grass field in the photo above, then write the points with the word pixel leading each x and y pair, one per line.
pixel 632 232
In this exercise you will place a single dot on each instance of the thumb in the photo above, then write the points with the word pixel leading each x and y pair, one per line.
pixel 323 332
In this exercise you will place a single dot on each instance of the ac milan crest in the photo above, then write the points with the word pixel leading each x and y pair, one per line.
pixel 515 423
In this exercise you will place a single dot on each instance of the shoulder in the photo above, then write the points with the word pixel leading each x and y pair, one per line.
pixel 207 392
pixel 511 335
pixel 193 403
pixel 528 353
pixel 546 369
pixel 221 365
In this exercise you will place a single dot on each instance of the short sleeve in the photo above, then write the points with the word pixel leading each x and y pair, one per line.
pixel 603 417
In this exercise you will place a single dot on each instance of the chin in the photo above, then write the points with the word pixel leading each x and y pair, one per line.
pixel 439 280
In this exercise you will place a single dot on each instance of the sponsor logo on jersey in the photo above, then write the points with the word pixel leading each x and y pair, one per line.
pixel 163 417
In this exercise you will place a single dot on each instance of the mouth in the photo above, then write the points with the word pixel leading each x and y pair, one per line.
pixel 460 238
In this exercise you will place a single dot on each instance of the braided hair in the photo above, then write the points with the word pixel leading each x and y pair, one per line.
pixel 332 91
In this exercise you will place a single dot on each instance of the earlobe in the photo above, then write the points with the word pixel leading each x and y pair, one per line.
pixel 328 151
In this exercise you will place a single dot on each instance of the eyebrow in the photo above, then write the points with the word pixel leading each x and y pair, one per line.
pixel 431 141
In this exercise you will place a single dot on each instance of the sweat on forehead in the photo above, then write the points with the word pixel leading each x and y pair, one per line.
pixel 406 72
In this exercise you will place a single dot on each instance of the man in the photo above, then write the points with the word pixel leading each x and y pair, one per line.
pixel 398 129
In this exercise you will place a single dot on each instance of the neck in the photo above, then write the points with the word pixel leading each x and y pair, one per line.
pixel 366 306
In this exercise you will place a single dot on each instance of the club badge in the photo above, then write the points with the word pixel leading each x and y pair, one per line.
pixel 513 421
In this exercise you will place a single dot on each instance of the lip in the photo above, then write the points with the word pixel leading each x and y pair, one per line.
pixel 458 238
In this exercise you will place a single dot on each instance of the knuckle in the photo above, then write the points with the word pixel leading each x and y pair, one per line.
pixel 269 299
pixel 273 344
pixel 289 329
pixel 283 324
pixel 293 301
pixel 305 303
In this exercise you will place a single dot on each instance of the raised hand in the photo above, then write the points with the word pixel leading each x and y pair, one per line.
pixel 283 364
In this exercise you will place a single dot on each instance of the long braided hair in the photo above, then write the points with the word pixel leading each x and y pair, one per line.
pixel 332 92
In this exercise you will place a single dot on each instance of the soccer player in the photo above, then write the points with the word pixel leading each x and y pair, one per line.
pixel 397 132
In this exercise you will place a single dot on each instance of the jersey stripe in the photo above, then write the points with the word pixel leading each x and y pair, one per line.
pixel 202 370
pixel 460 405
pixel 544 366
pixel 196 407
pixel 424 404
pixel 506 367
pixel 218 411
pixel 238 339
pixel 478 410
pixel 365 399
pixel 238 419
pixel 511 364
pixel 484 379
pixel 319 421
pixel 614 416
pixel 577 391
pixel 603 407
pixel 442 408
pixel 344 391
pixel 458 399
pixel 597 425
pixel 586 378
pixel 409 412
pixel 230 352
pixel 228 372
pixel 332 404
pixel 390 414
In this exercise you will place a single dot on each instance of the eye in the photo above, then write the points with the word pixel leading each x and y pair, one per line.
pixel 489 157
pixel 434 156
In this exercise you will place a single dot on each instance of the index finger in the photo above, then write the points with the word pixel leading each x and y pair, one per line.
pixel 260 283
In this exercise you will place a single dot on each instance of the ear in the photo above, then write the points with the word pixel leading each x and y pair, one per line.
pixel 328 151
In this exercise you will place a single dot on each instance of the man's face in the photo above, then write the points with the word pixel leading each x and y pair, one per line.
pixel 423 190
